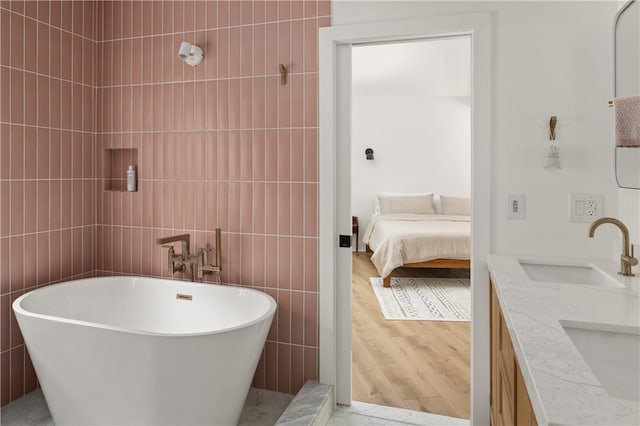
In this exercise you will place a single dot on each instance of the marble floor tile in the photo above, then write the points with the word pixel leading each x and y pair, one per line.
pixel 261 408
pixel 362 413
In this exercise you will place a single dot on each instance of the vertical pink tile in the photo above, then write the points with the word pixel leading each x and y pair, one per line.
pixel 54 204
pixel 272 59
pixel 42 108
pixel 324 7
pixel 297 46
pixel 17 40
pixel 311 100
pixel 271 365
pixel 311 319
pixel 17 207
pixel 284 155
pixel 284 252
pixel 297 317
pixel 246 211
pixel 17 372
pixel 17 102
pixel 188 106
pixel 259 50
pixel 271 10
pixel 284 316
pixel 310 155
pixel 199 105
pixel 54 252
pixel 30 39
pixel 43 153
pixel 258 207
pixel 310 45
pixel 234 52
pixel 5 100
pixel 223 53
pixel 259 11
pixel 5 382
pixel 246 260
pixel 30 203
pixel 271 102
pixel 246 105
pixel 297 263
pixel 234 104
pixel 271 261
pixel 311 209
pixel 271 155
pixel 297 209
pixel 246 60
pixel 17 278
pixel 258 266
pixel 297 155
pixel 258 154
pixel 284 10
pixel 42 56
pixel 297 100
pixel 297 368
pixel 223 104
pixel 211 109
pixel 147 59
pixel 43 258
pixel 30 149
pixel 297 9
pixel 284 368
pixel 234 207
pixel 5 276
pixel 43 205
pixel 246 155
pixel 310 364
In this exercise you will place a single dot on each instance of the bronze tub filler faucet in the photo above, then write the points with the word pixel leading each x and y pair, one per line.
pixel 177 262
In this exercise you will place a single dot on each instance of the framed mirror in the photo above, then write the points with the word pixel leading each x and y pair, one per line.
pixel 626 82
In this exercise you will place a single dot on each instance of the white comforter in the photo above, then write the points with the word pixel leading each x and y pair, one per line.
pixel 397 239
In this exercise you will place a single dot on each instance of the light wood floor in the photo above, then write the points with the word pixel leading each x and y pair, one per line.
pixel 417 365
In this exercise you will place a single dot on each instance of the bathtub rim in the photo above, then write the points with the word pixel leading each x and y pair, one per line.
pixel 18 309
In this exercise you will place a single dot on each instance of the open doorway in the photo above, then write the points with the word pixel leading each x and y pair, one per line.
pixel 410 203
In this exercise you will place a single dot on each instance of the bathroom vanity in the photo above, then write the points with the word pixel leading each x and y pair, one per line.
pixel 565 342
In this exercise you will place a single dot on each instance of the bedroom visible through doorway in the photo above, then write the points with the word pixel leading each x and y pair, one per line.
pixel 410 203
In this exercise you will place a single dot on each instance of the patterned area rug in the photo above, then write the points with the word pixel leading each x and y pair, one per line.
pixel 426 299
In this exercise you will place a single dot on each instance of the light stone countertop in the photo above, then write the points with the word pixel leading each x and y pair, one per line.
pixel 562 388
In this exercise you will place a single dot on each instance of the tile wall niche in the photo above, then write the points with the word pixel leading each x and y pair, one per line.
pixel 47 140
pixel 224 145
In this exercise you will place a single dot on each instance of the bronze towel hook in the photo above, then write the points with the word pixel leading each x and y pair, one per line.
pixel 552 127
pixel 283 74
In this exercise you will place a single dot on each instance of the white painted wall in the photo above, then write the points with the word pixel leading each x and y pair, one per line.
pixel 549 58
pixel 420 135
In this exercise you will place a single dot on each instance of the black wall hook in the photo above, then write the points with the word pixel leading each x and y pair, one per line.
pixel 369 153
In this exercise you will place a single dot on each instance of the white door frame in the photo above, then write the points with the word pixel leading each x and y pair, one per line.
pixel 334 139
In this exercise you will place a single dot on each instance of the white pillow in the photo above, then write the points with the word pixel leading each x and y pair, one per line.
pixel 455 205
pixel 407 203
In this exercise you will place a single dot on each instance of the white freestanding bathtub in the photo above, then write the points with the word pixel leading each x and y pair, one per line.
pixel 143 351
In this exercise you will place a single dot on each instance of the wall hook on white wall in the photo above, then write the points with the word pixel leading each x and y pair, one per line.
pixel 552 127
pixel 369 153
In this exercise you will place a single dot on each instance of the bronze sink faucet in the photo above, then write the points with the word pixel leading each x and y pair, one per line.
pixel 627 259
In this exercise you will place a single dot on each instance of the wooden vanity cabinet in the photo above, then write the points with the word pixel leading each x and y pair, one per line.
pixel 510 404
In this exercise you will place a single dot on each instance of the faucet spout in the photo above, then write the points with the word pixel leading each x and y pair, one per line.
pixel 627 259
pixel 184 238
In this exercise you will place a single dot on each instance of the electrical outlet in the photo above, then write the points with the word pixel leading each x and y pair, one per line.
pixel 585 207
pixel 516 207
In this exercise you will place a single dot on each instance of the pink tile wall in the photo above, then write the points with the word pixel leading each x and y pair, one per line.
pixel 47 133
pixel 220 145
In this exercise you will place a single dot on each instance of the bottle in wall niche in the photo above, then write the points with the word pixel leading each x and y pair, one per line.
pixel 131 179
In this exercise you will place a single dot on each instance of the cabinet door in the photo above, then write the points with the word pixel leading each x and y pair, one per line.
pixel 524 410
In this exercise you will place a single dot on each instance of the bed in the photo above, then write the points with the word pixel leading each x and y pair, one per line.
pixel 410 233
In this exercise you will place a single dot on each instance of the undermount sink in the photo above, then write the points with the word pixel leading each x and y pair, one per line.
pixel 612 353
pixel 584 274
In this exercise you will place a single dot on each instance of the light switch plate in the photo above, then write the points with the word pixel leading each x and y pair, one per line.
pixel 516 206
pixel 585 207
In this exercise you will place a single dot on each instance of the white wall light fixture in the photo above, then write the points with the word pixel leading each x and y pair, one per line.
pixel 190 53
